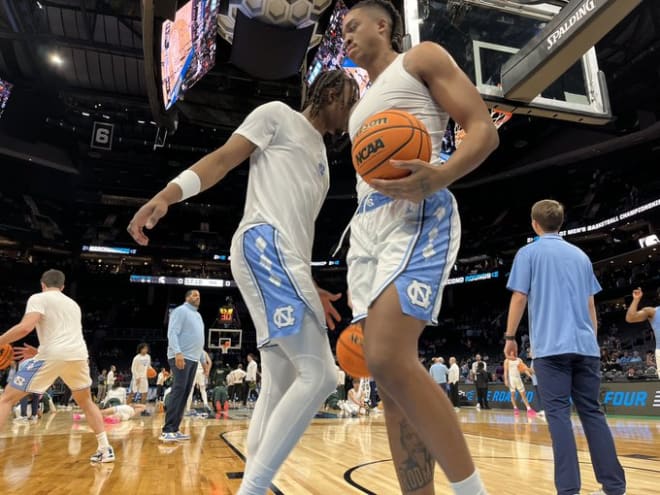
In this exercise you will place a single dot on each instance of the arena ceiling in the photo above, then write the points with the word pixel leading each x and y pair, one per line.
pixel 102 78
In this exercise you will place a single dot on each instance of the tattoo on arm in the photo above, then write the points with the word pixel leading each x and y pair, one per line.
pixel 416 470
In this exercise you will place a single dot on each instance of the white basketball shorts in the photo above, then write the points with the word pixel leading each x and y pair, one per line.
pixel 516 384
pixel 275 282
pixel 36 376
pixel 414 245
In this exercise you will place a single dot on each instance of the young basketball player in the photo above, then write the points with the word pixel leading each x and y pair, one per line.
pixel 139 368
pixel 650 314
pixel 405 238
pixel 62 353
pixel 115 414
pixel 270 259
pixel 513 380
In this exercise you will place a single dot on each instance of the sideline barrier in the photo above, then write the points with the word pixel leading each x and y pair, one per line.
pixel 628 398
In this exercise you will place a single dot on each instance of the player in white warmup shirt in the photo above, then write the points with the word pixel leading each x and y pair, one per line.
pixel 139 380
pixel 271 258
pixel 405 238
pixel 62 353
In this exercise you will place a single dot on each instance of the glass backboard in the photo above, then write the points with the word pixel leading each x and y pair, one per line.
pixel 482 35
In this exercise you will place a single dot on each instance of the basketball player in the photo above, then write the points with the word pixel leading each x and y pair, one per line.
pixel 405 238
pixel 558 280
pixel 271 256
pixel 355 404
pixel 62 353
pixel 115 414
pixel 139 368
pixel 513 380
pixel 650 314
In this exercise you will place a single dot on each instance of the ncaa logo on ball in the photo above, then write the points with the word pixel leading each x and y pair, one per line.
pixel 368 150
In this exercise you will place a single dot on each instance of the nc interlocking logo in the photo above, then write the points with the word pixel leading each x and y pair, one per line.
pixel 419 294
pixel 283 316
pixel 656 399
pixel 19 380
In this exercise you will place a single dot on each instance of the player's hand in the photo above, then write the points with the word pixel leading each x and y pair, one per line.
pixel 637 293
pixel 511 349
pixel 25 352
pixel 179 362
pixel 147 217
pixel 331 314
pixel 424 180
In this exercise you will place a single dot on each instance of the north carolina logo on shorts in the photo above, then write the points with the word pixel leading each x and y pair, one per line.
pixel 321 169
pixel 19 380
pixel 283 316
pixel 419 294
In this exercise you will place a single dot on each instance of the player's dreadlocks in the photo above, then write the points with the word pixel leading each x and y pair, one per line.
pixel 332 80
pixel 396 23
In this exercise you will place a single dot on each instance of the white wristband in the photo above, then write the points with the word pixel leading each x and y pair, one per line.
pixel 189 182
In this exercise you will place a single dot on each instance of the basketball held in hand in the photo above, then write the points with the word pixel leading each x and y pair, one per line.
pixel 385 136
pixel 6 356
pixel 350 352
pixel 151 373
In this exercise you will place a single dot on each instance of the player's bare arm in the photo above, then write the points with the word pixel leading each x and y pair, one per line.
pixel 210 170
pixel 20 330
pixel 454 92
pixel 636 315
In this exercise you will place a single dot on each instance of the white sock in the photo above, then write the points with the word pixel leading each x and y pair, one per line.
pixel 472 485
pixel 102 439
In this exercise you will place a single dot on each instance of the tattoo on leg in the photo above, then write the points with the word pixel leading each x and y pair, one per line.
pixel 416 470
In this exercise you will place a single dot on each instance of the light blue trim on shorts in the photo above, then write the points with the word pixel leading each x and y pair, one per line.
pixel 25 374
pixel 284 307
pixel 420 284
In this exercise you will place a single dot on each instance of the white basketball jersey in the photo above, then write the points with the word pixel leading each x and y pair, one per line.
pixel 289 176
pixel 396 88
pixel 514 373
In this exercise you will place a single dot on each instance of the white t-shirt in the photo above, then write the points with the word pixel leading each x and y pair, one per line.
pixel 110 379
pixel 124 412
pixel 514 373
pixel 475 364
pixel 60 328
pixel 235 376
pixel 251 375
pixel 140 365
pixel 116 393
pixel 289 178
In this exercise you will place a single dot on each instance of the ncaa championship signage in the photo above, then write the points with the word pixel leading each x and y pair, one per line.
pixel 625 398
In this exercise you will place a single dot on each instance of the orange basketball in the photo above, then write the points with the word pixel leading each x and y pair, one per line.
pixel 522 367
pixel 350 352
pixel 385 136
pixel 151 373
pixel 6 356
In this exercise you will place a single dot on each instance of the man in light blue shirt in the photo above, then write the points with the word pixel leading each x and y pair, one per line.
pixel 185 349
pixel 439 372
pixel 557 280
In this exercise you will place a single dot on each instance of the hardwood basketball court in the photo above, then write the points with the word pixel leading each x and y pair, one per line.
pixel 335 456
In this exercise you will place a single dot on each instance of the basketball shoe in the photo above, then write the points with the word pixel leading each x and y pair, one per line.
pixel 103 455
